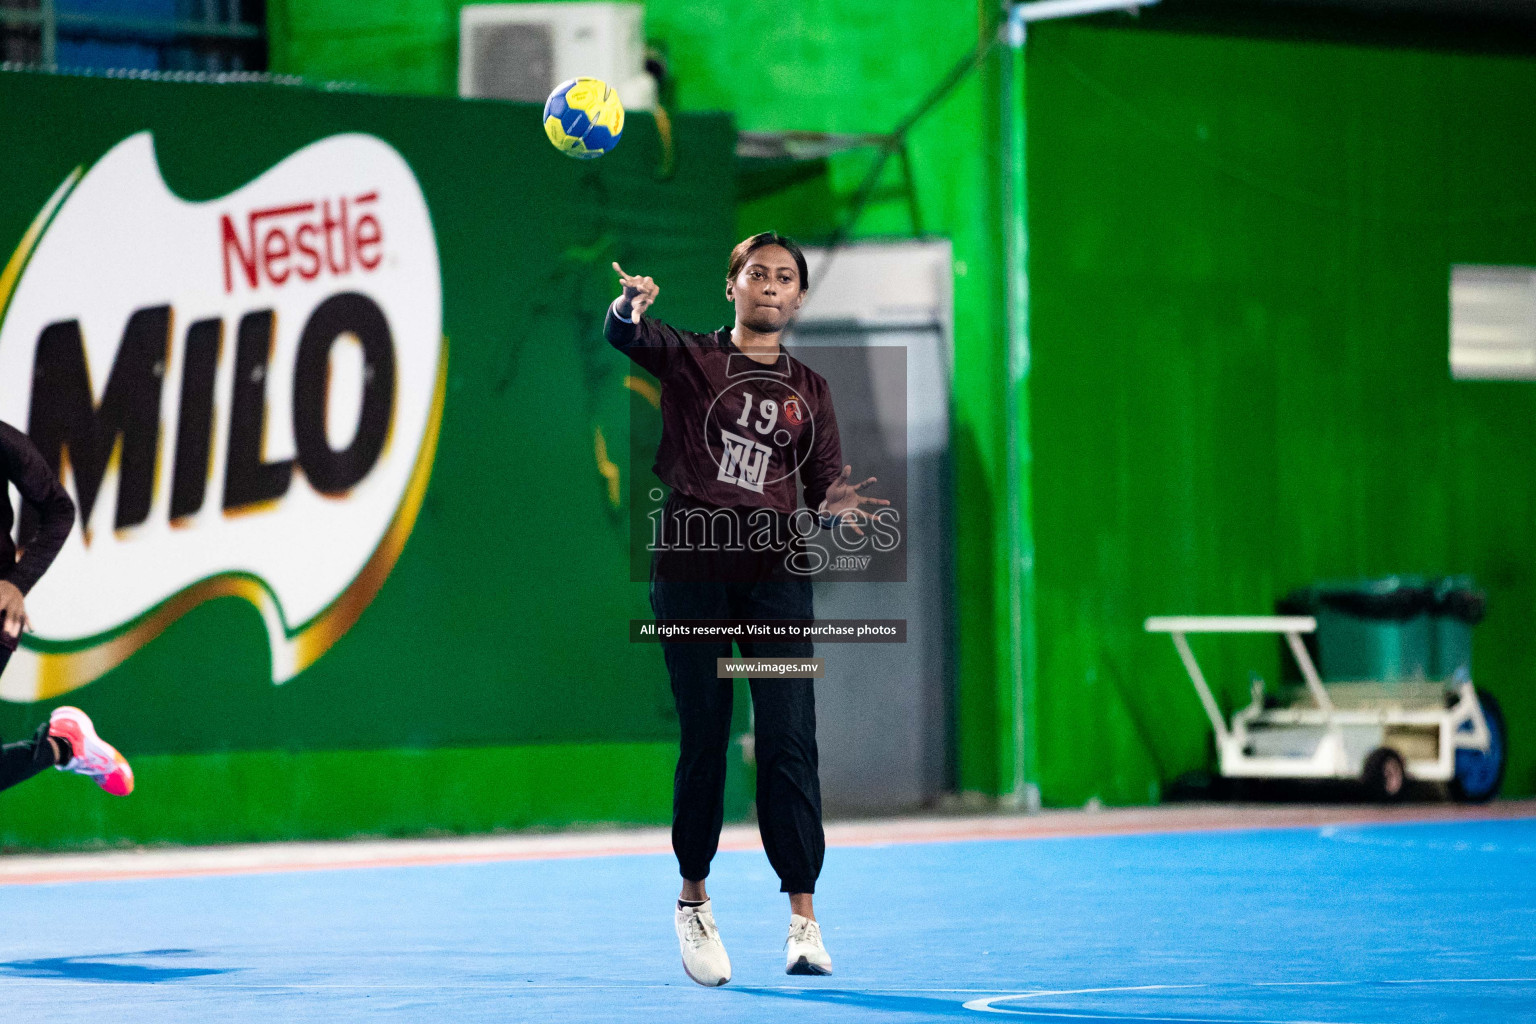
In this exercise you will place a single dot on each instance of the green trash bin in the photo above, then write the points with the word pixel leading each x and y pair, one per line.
pixel 1393 629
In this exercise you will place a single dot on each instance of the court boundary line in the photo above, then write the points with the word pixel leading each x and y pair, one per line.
pixel 985 1005
pixel 285 856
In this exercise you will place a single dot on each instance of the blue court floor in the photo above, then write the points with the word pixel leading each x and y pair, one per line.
pixel 1374 924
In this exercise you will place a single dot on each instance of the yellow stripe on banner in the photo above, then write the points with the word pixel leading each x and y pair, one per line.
pixel 18 260
pixel 57 674
pixel 668 150
pixel 645 389
pixel 605 467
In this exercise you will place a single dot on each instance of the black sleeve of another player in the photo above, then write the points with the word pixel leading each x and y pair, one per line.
pixel 650 343
pixel 25 467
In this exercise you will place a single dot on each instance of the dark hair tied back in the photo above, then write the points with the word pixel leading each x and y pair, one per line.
pixel 761 240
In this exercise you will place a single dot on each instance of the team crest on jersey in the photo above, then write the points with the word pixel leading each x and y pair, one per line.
pixel 242 394
pixel 793 411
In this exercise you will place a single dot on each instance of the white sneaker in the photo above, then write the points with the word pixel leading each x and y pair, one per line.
pixel 703 953
pixel 806 953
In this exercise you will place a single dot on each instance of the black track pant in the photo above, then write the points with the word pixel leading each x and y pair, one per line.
pixel 784 716
pixel 20 761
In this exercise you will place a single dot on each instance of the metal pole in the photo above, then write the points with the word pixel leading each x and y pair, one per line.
pixel 50 35
pixel 1023 791
pixel 1023 660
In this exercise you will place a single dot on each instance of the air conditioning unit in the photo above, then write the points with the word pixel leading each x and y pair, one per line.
pixel 522 51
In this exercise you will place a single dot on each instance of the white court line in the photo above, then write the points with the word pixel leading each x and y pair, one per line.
pixel 1456 981
pixel 986 1005
pixel 13 981
pixel 1055 1014
pixel 1095 991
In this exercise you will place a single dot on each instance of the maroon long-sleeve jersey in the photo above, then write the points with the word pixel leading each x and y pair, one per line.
pixel 734 432
pixel 23 465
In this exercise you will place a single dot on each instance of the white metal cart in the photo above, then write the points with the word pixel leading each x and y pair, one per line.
pixel 1382 733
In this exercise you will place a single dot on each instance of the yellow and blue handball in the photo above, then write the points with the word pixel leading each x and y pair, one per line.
pixel 584 118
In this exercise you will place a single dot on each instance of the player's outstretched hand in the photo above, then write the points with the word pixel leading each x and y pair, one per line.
pixel 13 610
pixel 846 503
pixel 639 293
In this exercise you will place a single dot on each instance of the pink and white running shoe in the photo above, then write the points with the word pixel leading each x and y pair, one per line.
pixel 94 756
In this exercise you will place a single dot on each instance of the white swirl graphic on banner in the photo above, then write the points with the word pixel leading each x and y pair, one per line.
pixel 242 395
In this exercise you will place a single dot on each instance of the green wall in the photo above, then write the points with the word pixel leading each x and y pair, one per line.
pixel 1241 252
pixel 1239 259
pixel 491 682
pixel 816 65
pixel 255 796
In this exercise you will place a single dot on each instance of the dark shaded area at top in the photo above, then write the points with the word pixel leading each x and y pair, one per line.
pixel 1484 26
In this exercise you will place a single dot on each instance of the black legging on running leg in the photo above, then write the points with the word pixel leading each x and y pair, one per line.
pixel 20 761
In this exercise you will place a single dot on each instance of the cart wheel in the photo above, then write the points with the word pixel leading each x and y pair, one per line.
pixel 1479 775
pixel 1384 775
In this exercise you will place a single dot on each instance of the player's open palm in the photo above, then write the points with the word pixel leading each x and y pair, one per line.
pixel 639 292
pixel 846 503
